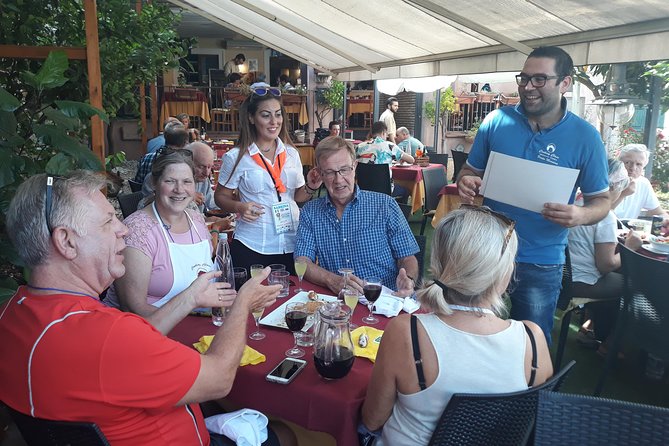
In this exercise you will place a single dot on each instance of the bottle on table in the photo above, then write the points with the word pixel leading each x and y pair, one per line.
pixel 223 263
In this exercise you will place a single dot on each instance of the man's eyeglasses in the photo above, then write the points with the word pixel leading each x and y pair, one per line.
pixel 511 224
pixel 263 91
pixel 165 151
pixel 538 80
pixel 49 200
pixel 343 171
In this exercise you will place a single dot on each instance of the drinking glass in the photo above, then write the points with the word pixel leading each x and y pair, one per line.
pixel 300 269
pixel 372 290
pixel 280 278
pixel 351 300
pixel 345 272
pixel 255 269
pixel 296 317
pixel 240 277
pixel 257 335
pixel 277 267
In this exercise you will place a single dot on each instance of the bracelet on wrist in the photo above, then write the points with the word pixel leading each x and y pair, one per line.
pixel 309 189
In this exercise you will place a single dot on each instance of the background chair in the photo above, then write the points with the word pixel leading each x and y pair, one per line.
pixel 406 210
pixel 439 158
pixel 459 160
pixel 487 419
pixel 129 202
pixel 575 420
pixel 422 241
pixel 135 186
pixel 373 177
pixel 40 432
pixel 434 180
pixel 644 315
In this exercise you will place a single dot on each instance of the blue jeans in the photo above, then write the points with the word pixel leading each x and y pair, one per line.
pixel 534 295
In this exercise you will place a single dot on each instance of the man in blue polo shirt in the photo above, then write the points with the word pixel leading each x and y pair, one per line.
pixel 353 228
pixel 541 129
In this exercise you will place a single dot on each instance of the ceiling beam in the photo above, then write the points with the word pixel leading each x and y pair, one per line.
pixel 297 30
pixel 250 36
pixel 467 23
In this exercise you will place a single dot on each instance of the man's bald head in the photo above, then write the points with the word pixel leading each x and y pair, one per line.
pixel 203 158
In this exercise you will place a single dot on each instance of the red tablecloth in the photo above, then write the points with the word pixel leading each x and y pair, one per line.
pixel 412 173
pixel 309 401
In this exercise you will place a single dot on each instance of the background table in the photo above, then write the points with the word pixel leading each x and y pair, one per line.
pixel 450 200
pixel 411 178
pixel 307 154
pixel 310 400
pixel 196 105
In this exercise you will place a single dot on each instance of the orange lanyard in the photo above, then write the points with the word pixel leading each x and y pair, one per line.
pixel 274 171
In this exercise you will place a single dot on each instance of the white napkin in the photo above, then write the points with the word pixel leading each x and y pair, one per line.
pixel 246 427
pixel 410 304
pixel 387 305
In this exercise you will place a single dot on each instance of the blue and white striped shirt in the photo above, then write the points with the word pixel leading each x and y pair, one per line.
pixel 370 237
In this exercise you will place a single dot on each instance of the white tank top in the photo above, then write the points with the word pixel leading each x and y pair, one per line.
pixel 468 363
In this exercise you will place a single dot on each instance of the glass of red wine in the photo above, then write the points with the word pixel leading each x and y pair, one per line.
pixel 372 290
pixel 296 317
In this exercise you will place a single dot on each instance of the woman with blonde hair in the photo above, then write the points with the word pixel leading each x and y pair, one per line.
pixel 463 342
pixel 266 171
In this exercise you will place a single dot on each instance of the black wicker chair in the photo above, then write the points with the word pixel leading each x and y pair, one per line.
pixel 129 202
pixel 644 314
pixel 493 419
pixel 459 160
pixel 373 177
pixel 434 180
pixel 40 432
pixel 576 420
pixel 422 241
pixel 439 158
pixel 135 186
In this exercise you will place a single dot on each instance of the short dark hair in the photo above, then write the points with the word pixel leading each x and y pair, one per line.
pixel 234 77
pixel 379 127
pixel 333 123
pixel 176 136
pixel 564 65
pixel 284 78
pixel 390 100
pixel 240 56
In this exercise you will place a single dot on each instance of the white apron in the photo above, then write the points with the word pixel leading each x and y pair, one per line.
pixel 188 261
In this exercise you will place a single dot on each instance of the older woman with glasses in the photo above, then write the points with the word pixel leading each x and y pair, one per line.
pixel 168 247
pixel 640 198
pixel 594 262
pixel 463 343
pixel 266 171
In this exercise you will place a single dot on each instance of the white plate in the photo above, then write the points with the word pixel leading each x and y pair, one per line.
pixel 277 318
pixel 653 249
pixel 403 165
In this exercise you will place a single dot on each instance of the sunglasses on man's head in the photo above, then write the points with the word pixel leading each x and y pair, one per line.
pixel 50 180
pixel 511 224
pixel 263 91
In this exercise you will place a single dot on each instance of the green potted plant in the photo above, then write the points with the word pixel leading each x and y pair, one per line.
pixel 473 130
pixel 446 107
pixel 328 99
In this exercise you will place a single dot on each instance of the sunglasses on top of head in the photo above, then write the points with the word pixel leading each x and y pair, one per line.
pixel 263 91
pixel 166 151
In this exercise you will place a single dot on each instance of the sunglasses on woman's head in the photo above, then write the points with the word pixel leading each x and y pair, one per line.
pixel 166 151
pixel 511 224
pixel 263 91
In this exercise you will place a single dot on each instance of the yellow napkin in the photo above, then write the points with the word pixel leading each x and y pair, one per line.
pixel 374 339
pixel 250 355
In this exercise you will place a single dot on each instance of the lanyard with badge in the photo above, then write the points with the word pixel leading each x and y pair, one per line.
pixel 281 212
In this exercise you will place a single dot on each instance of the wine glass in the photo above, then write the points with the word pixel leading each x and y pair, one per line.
pixel 296 317
pixel 256 269
pixel 257 314
pixel 344 272
pixel 300 270
pixel 351 300
pixel 240 277
pixel 372 290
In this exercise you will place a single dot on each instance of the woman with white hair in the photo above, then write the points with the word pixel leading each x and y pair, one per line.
pixel 640 195
pixel 594 262
pixel 464 344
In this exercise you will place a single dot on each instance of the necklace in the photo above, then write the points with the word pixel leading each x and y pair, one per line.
pixel 168 227
pixel 471 309
pixel 62 291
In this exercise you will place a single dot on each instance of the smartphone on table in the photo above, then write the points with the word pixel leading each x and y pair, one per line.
pixel 286 371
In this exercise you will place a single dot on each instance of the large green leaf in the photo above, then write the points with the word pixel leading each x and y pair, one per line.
pixel 61 119
pixel 61 142
pixel 51 74
pixel 80 110
pixel 8 102
pixel 60 164
pixel 6 171
pixel 7 124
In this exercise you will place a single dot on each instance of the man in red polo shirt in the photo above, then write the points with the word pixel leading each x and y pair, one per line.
pixel 65 356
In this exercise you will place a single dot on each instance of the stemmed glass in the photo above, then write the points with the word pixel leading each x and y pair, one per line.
pixel 300 270
pixel 257 312
pixel 351 300
pixel 372 290
pixel 296 317
pixel 344 272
